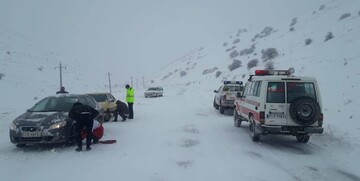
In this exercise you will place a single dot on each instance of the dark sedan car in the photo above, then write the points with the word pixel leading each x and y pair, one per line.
pixel 47 121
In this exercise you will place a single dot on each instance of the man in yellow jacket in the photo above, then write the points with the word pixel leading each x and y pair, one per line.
pixel 130 100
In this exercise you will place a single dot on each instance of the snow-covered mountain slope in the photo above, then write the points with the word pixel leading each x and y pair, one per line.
pixel 321 43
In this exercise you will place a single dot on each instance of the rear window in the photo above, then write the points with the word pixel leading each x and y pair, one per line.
pixel 232 88
pixel 275 92
pixel 99 97
pixel 298 89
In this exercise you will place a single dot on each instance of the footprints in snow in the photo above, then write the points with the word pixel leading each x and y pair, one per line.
pixel 191 129
pixel 188 143
pixel 184 164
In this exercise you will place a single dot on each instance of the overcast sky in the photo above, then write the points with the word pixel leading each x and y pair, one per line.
pixel 137 37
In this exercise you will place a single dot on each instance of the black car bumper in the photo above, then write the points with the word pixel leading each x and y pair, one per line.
pixel 290 130
pixel 47 137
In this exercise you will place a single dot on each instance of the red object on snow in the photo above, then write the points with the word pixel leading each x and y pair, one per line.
pixel 107 141
pixel 98 133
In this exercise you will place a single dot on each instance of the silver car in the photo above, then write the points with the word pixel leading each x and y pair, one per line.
pixel 154 92
pixel 226 94
pixel 47 121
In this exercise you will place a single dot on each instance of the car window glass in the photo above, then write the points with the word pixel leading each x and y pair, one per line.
pixel 40 105
pixel 220 88
pixel 90 102
pixel 299 89
pixel 251 88
pixel 258 89
pixel 246 90
pixel 276 92
pixel 83 101
pixel 231 88
pixel 99 97
pixel 54 104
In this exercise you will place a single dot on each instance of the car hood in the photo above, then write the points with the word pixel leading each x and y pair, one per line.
pixel 40 118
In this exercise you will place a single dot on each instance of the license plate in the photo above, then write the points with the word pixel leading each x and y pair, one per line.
pixel 31 134
pixel 276 116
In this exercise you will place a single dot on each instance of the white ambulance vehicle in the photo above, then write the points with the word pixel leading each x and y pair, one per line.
pixel 277 102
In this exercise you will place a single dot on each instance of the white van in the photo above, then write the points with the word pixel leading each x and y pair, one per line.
pixel 277 102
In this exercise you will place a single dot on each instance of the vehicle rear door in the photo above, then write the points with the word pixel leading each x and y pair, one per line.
pixel 275 112
pixel 296 89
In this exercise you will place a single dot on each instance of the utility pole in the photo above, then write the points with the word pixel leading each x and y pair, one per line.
pixel 108 74
pixel 60 67
pixel 143 82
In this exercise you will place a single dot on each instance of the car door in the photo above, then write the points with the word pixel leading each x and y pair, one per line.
pixel 275 112
pixel 218 95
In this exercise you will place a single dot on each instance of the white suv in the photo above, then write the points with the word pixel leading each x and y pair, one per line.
pixel 226 94
pixel 154 92
pixel 277 102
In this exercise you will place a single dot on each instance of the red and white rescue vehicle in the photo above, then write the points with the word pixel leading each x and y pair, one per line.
pixel 277 102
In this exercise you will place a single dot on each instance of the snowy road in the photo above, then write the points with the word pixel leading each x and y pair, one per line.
pixel 181 137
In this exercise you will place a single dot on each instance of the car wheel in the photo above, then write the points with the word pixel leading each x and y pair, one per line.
pixel 20 145
pixel 71 140
pixel 222 110
pixel 303 138
pixel 215 105
pixel 107 116
pixel 252 128
pixel 305 110
pixel 237 120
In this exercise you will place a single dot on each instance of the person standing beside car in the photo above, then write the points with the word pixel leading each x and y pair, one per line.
pixel 130 100
pixel 83 115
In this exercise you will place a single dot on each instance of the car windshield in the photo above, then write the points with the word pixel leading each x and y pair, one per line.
pixel 232 88
pixel 54 104
pixel 153 89
pixel 99 97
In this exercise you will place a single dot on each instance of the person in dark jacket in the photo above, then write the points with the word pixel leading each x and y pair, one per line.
pixel 83 115
pixel 119 111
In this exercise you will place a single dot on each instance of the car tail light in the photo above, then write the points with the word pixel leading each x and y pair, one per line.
pixel 262 117
pixel 321 119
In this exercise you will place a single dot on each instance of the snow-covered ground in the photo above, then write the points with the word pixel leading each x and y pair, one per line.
pixel 176 138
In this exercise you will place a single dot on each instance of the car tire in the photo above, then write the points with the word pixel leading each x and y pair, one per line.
pixel 303 138
pixel 71 139
pixel 255 137
pixel 107 116
pixel 237 119
pixel 215 105
pixel 221 109
pixel 305 110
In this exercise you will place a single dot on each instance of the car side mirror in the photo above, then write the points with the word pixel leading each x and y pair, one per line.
pixel 216 91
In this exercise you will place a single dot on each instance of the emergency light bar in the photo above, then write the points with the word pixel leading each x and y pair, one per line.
pixel 275 72
pixel 233 82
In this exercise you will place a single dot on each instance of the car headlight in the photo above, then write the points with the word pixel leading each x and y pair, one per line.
pixel 58 125
pixel 12 127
